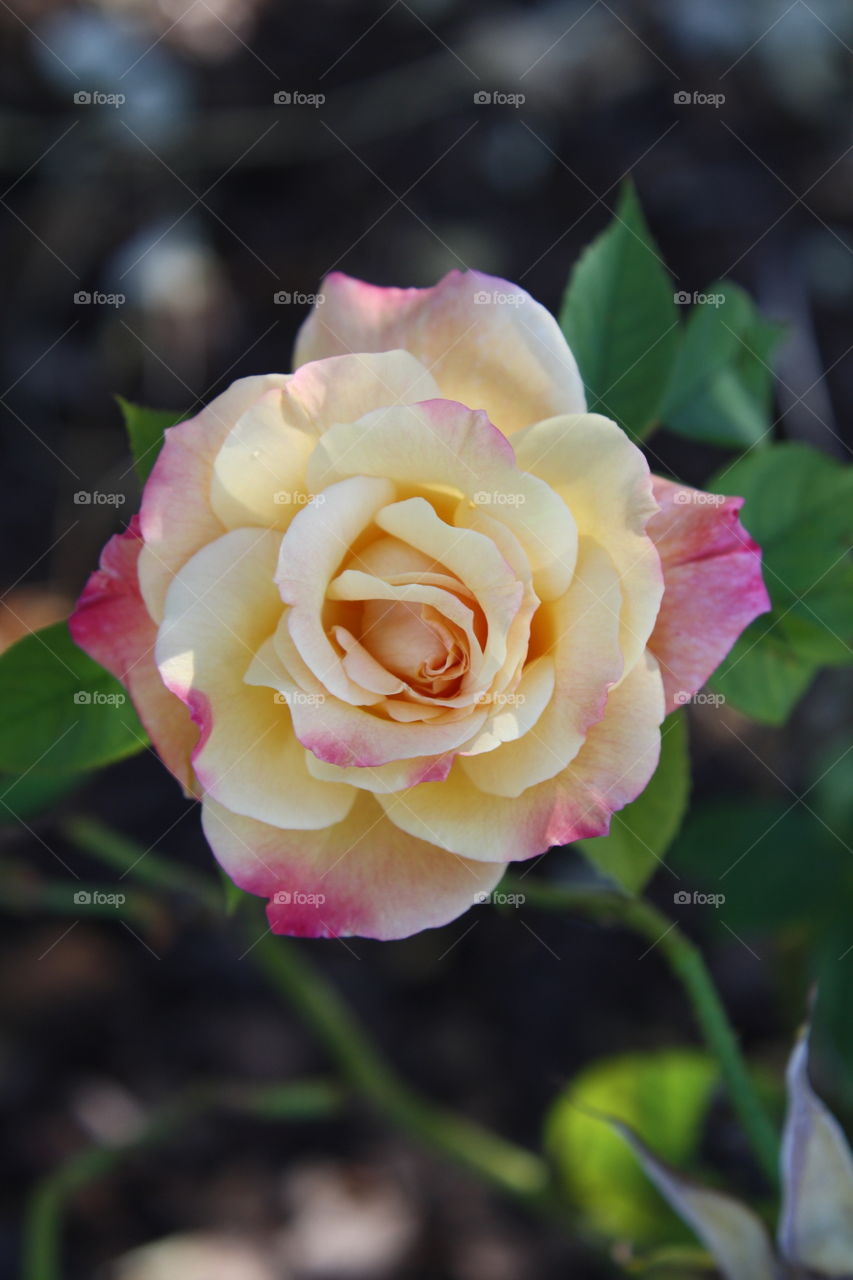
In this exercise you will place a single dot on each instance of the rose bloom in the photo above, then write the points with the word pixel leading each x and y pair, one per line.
pixel 411 613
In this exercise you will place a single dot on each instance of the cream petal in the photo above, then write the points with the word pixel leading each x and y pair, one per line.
pixel 362 876
pixel 616 762
pixel 588 663
pixel 176 516
pixel 444 444
pixel 312 549
pixel 489 344
pixel 220 608
pixel 605 481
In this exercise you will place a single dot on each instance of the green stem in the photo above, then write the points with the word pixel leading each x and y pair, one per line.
pixel 504 1165
pixel 128 857
pixel 686 962
pixel 42 1232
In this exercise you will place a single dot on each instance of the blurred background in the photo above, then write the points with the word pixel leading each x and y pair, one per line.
pixel 176 176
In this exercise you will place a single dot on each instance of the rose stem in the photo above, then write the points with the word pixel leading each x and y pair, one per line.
pixel 686 962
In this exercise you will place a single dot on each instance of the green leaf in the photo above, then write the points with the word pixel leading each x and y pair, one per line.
pixel 753 853
pixel 664 1097
pixel 799 509
pixel 642 832
pixel 620 319
pixel 22 798
pixel 145 428
pixel 721 386
pixel 62 712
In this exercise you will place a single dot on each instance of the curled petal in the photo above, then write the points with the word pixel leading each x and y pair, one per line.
pixel 816 1226
pixel 487 342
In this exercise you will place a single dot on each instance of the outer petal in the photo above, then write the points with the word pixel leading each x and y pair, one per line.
pixel 732 1233
pixel 113 626
pixel 816 1226
pixel 219 610
pixel 374 881
pixel 487 342
pixel 618 758
pixel 712 585
pixel 605 481
pixel 176 517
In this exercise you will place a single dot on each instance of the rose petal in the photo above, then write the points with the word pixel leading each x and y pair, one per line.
pixel 444 444
pixel 618 758
pixel 588 662
pixel 112 624
pixel 713 586
pixel 376 882
pixel 605 481
pixel 219 609
pixel 176 516
pixel 488 343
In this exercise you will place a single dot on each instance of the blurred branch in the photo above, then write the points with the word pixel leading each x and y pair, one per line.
pixel 299 1100
pixel 686 962
pixel 510 1168
pixel 126 856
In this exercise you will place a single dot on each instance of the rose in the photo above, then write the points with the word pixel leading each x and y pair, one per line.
pixel 384 696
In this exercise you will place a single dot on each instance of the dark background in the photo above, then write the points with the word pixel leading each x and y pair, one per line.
pixel 198 200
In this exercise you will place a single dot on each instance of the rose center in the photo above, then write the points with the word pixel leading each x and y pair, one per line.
pixel 416 643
